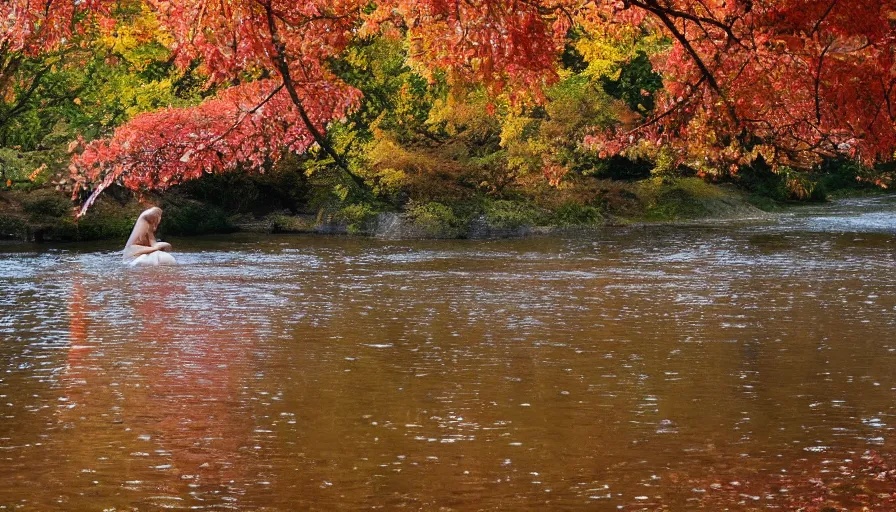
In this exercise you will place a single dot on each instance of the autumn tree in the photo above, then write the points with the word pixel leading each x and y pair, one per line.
pixel 113 65
pixel 790 80
pixel 793 80
pixel 271 60
pixel 29 30
pixel 35 42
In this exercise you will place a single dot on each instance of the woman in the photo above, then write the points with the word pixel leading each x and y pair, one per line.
pixel 142 248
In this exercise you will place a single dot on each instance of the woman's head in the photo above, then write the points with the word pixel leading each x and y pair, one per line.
pixel 145 229
pixel 153 216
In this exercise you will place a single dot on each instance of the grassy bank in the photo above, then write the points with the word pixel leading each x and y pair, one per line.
pixel 45 215
pixel 226 204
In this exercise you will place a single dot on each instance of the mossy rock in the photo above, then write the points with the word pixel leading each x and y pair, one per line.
pixel 46 215
pixel 283 223
pixel 102 225
pixel 692 198
pixel 60 230
pixel 107 219
pixel 676 203
pixel 676 199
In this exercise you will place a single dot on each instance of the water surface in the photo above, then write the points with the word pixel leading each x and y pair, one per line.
pixel 636 368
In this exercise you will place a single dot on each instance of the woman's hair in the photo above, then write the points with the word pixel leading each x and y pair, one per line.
pixel 152 213
pixel 145 227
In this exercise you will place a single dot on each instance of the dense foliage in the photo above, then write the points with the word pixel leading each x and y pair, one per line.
pixel 398 104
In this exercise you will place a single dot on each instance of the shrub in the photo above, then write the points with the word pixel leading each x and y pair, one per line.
pixel 575 214
pixel 763 183
pixel 190 217
pixel 511 214
pixel 357 217
pixel 47 203
pixel 105 220
pixel 12 227
pixel 801 187
pixel 435 219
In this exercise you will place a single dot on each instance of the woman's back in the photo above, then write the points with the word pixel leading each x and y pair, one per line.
pixel 141 247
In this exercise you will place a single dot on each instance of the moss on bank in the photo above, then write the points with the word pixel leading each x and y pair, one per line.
pixel 655 200
pixel 684 199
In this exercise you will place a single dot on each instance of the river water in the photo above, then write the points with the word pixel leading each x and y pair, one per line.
pixel 642 368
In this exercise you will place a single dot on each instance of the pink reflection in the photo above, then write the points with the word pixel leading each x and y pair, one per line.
pixel 153 403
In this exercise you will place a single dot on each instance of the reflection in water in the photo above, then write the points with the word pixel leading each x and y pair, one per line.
pixel 642 368
pixel 165 400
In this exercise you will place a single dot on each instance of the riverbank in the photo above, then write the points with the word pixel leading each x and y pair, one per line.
pixel 45 215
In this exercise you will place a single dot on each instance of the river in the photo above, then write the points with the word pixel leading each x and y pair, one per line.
pixel 738 367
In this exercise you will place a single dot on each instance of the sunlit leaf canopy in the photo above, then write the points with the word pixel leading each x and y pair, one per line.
pixel 790 81
pixel 35 27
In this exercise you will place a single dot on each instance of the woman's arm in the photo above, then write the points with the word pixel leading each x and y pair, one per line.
pixel 135 250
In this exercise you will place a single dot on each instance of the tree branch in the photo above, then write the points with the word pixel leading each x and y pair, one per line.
pixel 282 65
pixel 661 12
pixel 818 82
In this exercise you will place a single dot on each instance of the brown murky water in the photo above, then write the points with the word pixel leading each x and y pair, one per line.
pixel 640 368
